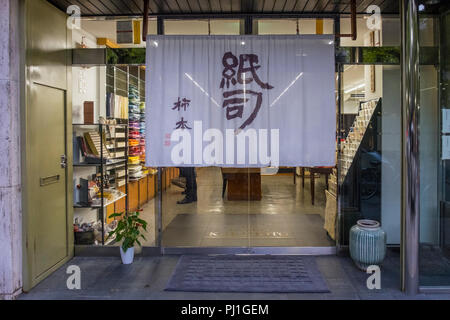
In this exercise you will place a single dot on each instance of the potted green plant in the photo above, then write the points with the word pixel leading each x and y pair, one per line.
pixel 129 231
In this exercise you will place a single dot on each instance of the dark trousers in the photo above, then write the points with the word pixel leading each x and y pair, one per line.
pixel 191 182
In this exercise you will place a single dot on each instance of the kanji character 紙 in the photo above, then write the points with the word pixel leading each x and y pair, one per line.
pixel 252 60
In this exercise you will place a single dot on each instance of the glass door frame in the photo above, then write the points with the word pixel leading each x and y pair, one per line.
pixel 136 57
pixel 438 57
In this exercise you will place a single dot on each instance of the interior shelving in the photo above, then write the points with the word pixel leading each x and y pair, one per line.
pixel 106 167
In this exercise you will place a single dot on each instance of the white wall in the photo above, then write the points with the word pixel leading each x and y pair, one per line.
pixel 429 143
pixel 100 28
pixel 225 27
pixel 391 138
pixel 429 156
pixel 87 84
pixel 186 27
pixel 274 26
pixel 391 154
pixel 86 81
pixel 361 26
pixel 352 77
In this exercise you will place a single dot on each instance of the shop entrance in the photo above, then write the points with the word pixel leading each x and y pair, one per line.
pixel 282 210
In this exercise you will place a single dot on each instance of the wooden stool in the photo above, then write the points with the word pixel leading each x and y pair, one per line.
pixel 312 171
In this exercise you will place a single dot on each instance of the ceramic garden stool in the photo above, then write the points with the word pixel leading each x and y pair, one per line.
pixel 367 244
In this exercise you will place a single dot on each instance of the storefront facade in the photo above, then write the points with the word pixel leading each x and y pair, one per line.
pixel 397 177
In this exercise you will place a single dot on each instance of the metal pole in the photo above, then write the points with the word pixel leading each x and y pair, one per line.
pixel 410 147
pixel 159 209
pixel 102 202
pixel 339 72
pixel 159 200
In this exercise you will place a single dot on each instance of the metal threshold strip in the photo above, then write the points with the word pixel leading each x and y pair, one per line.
pixel 113 251
pixel 251 250
pixel 434 290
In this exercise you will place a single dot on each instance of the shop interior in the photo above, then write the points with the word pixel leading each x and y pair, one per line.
pixel 283 207
pixel 267 207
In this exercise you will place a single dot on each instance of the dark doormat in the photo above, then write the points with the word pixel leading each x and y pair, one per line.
pixel 230 273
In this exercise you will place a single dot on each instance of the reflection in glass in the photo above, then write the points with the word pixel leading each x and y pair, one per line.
pixel 434 257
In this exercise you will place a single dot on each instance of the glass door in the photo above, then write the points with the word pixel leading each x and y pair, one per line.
pixel 434 258
pixel 369 150
pixel 249 210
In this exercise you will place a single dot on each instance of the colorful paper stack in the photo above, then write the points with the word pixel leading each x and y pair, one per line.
pixel 134 136
pixel 142 132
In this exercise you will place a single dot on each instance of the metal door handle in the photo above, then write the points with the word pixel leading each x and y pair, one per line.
pixel 63 161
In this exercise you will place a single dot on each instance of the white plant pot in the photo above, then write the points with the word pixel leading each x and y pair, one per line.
pixel 127 256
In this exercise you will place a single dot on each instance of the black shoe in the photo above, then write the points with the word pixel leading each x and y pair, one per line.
pixel 186 201
pixel 184 192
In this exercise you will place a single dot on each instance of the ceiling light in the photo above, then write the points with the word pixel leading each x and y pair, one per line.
pixel 362 85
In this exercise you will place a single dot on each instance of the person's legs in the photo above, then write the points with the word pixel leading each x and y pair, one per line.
pixel 191 186
pixel 188 175
pixel 194 184
pixel 180 181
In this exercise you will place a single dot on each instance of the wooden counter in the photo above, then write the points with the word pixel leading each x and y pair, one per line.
pixel 243 183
